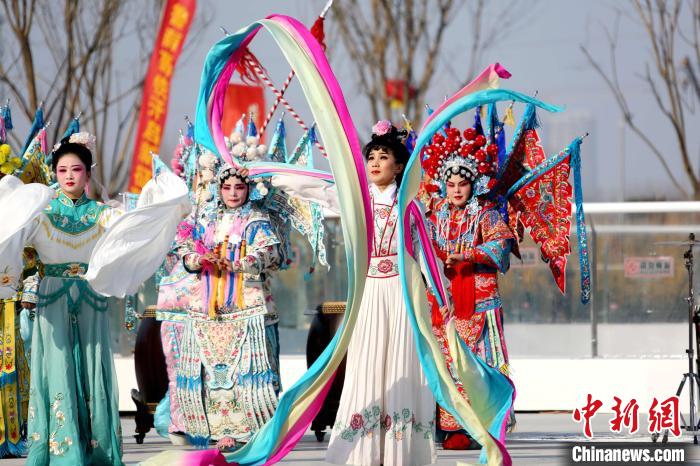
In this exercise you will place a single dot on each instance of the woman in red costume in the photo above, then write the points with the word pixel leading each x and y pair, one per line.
pixel 471 237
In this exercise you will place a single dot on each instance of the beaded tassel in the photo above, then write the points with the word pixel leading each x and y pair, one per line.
pixel 231 276
pixel 239 287
pixel 237 277
pixel 216 279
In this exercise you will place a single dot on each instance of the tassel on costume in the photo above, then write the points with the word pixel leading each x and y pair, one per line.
pixel 508 118
pixel 436 315
pixel 532 122
pixel 584 263
pixel 239 290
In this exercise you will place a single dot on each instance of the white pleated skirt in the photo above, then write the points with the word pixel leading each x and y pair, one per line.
pixel 387 412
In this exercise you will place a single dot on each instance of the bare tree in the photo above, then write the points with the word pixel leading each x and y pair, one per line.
pixel 390 40
pixel 675 96
pixel 403 41
pixel 487 24
pixel 86 56
pixel 691 70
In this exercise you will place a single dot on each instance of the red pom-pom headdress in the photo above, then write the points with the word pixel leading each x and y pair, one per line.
pixel 464 154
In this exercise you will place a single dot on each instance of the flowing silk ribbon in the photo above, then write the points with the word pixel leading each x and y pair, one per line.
pixel 300 403
pixel 487 79
pixel 490 393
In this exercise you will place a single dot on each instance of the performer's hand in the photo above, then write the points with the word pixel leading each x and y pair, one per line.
pixel 446 312
pixel 236 266
pixel 454 259
pixel 225 264
pixel 27 305
pixel 209 258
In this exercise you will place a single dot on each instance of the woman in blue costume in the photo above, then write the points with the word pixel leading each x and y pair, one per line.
pixel 74 411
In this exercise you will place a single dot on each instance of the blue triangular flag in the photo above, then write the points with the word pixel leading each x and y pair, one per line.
pixel 240 126
pixel 157 166
pixel 303 149
pixel 278 145
pixel 73 127
pixel 252 130
pixel 7 116
pixel 37 124
pixel 477 121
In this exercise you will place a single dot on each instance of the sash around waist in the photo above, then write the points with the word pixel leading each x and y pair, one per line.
pixel 67 270
pixel 383 266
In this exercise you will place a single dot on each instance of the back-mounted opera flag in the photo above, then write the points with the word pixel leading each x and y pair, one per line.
pixel 243 99
pixel 174 24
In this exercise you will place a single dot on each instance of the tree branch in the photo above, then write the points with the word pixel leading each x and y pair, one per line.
pixel 661 23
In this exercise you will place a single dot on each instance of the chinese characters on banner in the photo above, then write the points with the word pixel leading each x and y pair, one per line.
pixel 663 415
pixel 174 25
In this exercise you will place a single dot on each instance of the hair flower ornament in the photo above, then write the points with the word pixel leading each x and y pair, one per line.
pixel 381 127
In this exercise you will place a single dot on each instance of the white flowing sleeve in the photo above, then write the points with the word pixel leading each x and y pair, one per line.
pixel 137 241
pixel 20 206
pixel 310 189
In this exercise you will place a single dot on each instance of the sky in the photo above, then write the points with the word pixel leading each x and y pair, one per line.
pixel 543 54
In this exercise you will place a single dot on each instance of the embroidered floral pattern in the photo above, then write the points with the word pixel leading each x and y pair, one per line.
pixel 65 270
pixel 74 217
pixel 262 255
pixel 239 396
pixel 6 279
pixel 57 447
pixel 385 266
pixel 397 425
pixel 385 224
pixel 227 415
pixel 177 293
pixel 363 424
pixel 74 270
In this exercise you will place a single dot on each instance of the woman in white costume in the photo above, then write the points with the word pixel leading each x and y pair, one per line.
pixel 387 412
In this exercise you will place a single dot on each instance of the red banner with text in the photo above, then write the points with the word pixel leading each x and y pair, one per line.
pixel 174 25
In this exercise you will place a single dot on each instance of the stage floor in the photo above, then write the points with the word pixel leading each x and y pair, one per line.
pixel 538 440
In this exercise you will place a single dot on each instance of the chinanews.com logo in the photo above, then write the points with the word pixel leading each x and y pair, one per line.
pixel 663 419
pixel 630 453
